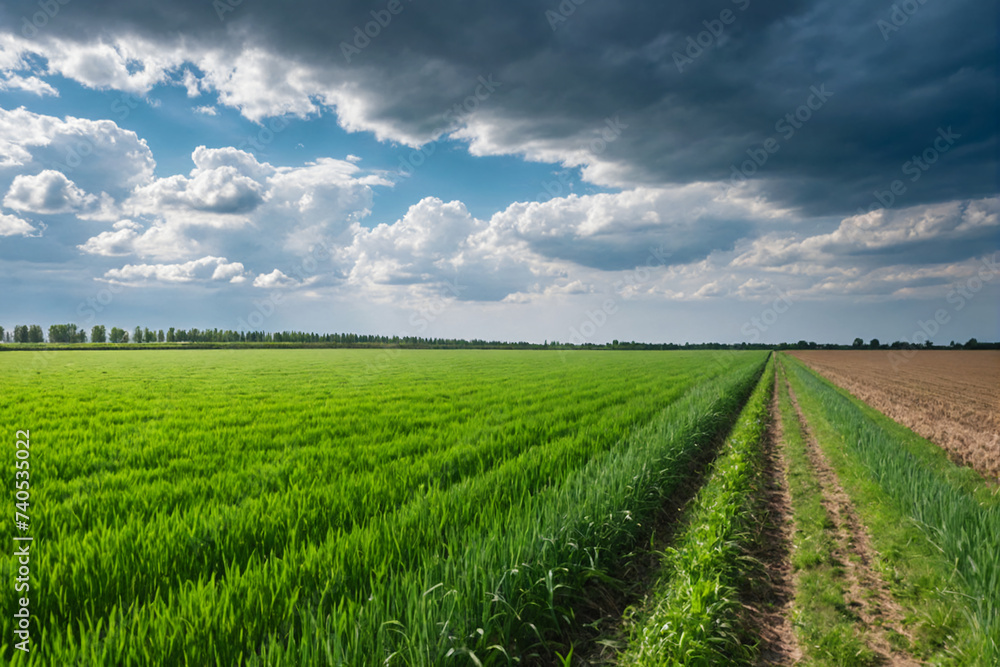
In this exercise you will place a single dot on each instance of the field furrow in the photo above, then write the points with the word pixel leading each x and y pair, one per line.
pixel 772 606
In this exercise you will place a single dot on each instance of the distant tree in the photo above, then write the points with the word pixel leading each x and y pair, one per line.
pixel 66 333
pixel 1 334
pixel 137 335
pixel 35 334
pixel 929 345
pixel 117 335
pixel 159 336
pixel 170 335
pixel 98 334
pixel 148 336
pixel 971 344
pixel 858 343
pixel 20 333
pixel 874 344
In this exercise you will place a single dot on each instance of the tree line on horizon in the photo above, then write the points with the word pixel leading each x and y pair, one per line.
pixel 99 334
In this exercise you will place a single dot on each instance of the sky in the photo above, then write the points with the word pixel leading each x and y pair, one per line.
pixel 583 170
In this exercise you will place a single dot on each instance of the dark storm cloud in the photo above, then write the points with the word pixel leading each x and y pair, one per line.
pixel 619 251
pixel 827 101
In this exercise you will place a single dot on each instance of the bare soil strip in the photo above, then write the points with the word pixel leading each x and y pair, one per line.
pixel 773 611
pixel 868 593
pixel 952 398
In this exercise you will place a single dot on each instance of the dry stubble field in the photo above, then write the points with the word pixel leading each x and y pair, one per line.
pixel 952 398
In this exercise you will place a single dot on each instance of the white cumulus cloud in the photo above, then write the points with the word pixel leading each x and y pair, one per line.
pixel 272 280
pixel 11 225
pixel 30 84
pixel 47 192
pixel 97 154
pixel 206 269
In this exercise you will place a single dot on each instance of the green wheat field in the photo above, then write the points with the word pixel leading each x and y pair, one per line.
pixel 226 507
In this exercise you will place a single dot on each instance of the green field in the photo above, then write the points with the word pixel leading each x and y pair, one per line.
pixel 344 506
pixel 491 507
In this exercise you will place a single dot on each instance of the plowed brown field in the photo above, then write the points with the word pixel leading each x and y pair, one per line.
pixel 950 397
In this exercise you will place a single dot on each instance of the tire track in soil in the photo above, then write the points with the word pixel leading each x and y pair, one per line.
pixel 772 610
pixel 868 594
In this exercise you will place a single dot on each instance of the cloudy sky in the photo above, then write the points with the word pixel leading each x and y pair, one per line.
pixel 586 169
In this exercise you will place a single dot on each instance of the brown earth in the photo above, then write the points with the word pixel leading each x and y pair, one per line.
pixel 950 397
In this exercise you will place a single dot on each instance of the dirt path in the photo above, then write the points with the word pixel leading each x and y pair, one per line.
pixel 774 611
pixel 868 594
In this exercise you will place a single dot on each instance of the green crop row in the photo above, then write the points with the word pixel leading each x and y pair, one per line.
pixel 694 615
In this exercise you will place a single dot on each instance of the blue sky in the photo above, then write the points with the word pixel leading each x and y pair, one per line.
pixel 706 171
